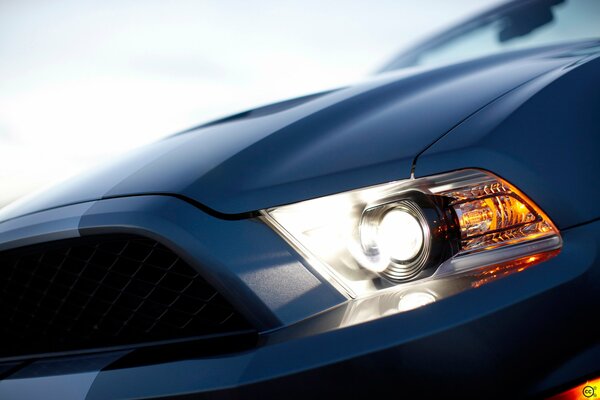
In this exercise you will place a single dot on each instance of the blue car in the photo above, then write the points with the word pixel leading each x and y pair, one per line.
pixel 432 231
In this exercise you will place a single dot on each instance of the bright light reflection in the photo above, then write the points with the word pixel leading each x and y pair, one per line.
pixel 84 90
pixel 400 235
pixel 325 225
pixel 413 300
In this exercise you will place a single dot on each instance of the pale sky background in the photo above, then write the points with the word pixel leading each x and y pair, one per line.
pixel 82 81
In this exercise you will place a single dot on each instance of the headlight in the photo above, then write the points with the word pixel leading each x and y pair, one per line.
pixel 418 240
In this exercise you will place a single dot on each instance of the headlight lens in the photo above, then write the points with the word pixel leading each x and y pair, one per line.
pixel 419 240
pixel 399 232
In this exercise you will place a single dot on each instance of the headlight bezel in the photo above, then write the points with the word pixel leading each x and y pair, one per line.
pixel 442 238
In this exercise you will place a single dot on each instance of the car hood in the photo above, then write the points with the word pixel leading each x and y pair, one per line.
pixel 344 139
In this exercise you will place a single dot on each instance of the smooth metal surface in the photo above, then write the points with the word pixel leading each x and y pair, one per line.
pixel 363 135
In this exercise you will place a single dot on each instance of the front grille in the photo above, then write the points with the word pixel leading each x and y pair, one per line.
pixel 104 291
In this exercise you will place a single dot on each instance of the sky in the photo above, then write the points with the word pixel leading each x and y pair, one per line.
pixel 84 81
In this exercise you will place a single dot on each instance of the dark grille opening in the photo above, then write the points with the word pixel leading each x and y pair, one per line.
pixel 104 291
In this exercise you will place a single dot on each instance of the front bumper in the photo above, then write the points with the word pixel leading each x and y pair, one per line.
pixel 528 334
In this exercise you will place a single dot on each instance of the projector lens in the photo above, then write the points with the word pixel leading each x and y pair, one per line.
pixel 395 239
pixel 400 235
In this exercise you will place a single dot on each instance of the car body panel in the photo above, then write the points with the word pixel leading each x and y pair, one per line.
pixel 346 139
pixel 529 116
pixel 205 242
pixel 543 137
pixel 359 360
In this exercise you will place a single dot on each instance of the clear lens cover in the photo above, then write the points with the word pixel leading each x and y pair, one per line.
pixel 424 231
pixel 494 214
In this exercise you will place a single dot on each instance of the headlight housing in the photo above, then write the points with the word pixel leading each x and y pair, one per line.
pixel 419 239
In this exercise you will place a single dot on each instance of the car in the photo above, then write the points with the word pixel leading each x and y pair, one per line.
pixel 431 231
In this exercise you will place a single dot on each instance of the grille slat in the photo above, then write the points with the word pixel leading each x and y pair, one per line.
pixel 104 291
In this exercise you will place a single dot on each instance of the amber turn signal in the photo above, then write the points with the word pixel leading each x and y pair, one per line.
pixel 496 214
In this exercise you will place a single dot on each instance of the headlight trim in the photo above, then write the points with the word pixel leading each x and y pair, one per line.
pixel 330 239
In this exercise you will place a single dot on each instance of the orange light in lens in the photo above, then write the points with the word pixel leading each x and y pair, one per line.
pixel 497 271
pixel 479 217
pixel 585 391
pixel 495 214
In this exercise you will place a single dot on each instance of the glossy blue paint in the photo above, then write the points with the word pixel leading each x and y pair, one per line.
pixel 246 260
pixel 461 334
pixel 530 116
pixel 544 137
pixel 354 137
pixel 59 379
